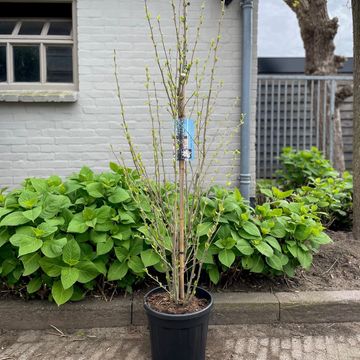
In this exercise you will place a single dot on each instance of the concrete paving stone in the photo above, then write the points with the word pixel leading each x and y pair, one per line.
pixel 224 343
pixel 308 344
pixel 296 348
pixel 285 355
pixel 319 343
pixel 264 342
pixel 275 346
pixel 240 346
pixel 286 343
pixel 319 306
pixel 262 354
pixel 252 347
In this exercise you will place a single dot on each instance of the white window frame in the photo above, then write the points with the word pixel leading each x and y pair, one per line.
pixel 42 40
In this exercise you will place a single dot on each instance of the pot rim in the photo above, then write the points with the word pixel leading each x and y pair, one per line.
pixel 186 316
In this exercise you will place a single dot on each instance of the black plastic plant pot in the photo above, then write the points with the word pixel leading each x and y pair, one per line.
pixel 179 336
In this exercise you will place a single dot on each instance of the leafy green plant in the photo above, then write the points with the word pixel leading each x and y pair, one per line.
pixel 64 235
pixel 333 198
pixel 276 237
pixel 299 168
pixel 64 238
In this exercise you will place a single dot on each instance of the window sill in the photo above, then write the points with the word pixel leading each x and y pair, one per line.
pixel 38 96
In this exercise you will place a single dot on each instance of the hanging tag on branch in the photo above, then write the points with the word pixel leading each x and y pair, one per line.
pixel 184 130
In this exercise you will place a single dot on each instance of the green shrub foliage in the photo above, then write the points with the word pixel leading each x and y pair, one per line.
pixel 69 235
pixel 316 182
pixel 299 168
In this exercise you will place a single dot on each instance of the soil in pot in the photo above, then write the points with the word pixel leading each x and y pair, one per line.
pixel 162 302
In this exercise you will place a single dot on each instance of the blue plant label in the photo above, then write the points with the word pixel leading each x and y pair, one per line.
pixel 185 134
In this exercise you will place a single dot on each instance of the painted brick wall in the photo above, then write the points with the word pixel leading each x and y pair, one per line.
pixel 40 139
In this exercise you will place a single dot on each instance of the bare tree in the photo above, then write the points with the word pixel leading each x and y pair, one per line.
pixel 356 141
pixel 318 31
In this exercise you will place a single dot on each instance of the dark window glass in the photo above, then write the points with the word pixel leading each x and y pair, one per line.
pixel 60 28
pixel 26 63
pixel 59 64
pixel 31 28
pixel 35 9
pixel 7 27
pixel 2 63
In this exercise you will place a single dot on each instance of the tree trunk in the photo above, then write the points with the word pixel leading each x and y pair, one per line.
pixel 356 119
pixel 318 32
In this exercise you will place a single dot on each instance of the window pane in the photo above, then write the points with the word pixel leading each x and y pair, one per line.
pixel 2 63
pixel 7 27
pixel 59 64
pixel 26 63
pixel 31 28
pixel 60 28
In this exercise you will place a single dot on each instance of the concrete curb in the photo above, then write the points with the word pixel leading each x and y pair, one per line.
pixel 229 309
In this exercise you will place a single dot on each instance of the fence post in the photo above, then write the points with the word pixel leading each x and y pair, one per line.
pixel 332 114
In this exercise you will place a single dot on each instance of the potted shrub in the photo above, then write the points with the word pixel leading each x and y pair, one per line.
pixel 173 203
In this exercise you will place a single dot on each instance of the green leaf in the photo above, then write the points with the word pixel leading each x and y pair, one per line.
pixel 149 257
pixel 320 239
pixel 95 190
pixel 71 252
pixel 4 211
pixel 266 192
pixel 77 224
pixel 34 285
pixel 226 257
pixel 31 263
pixel 119 195
pixel 51 267
pixel 54 247
pixel 39 185
pixel 302 232
pixel 69 276
pixel 28 199
pixel 47 229
pixel 278 231
pixel 305 258
pixel 27 244
pixel 264 249
pixel 14 219
pixel 32 214
pixel 242 245
pixel 214 274
pixel 98 237
pixel 4 236
pixel 117 271
pixel 86 174
pixel 136 265
pixel 203 228
pixel 59 294
pixel 53 204
pixel 104 248
pixel 87 271
pixel 121 253
pixel 273 242
pixel 251 229
pixel 275 262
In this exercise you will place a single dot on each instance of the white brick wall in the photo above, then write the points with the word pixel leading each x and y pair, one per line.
pixel 40 139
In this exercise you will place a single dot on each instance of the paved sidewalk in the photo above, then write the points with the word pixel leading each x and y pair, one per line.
pixel 241 342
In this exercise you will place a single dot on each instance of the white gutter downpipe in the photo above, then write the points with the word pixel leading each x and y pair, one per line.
pixel 247 44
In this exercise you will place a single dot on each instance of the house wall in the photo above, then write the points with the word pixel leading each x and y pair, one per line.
pixel 40 139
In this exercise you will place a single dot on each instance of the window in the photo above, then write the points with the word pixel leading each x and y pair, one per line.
pixel 37 48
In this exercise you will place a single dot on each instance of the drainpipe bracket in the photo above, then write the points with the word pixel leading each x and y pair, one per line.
pixel 245 179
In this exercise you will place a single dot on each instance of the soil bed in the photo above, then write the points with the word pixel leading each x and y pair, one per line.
pixel 335 267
